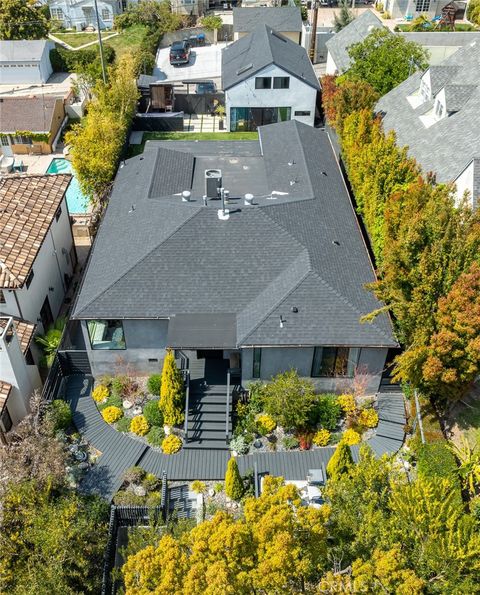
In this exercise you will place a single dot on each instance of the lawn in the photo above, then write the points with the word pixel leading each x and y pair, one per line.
pixel 190 136
pixel 127 40
pixel 75 40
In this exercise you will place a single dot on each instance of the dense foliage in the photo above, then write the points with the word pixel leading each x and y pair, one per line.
pixel 22 19
pixel 384 60
pixel 172 392
pixel 233 480
pixel 344 17
pixel 289 399
pixel 473 11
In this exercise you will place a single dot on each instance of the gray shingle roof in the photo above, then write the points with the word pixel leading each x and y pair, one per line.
pixel 300 247
pixel 24 50
pixel 355 32
pixel 284 19
pixel 264 46
pixel 450 144
pixel 441 38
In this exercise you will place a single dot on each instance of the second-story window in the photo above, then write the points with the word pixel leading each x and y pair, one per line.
pixel 263 82
pixel 281 82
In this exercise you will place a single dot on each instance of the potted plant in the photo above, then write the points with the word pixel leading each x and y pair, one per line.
pixel 220 112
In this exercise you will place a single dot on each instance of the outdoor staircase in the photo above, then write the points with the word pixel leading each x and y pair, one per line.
pixel 180 504
pixel 207 416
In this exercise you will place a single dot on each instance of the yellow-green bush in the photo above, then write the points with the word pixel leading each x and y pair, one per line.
pixel 265 424
pixel 351 437
pixel 321 438
pixel 171 444
pixel 347 403
pixel 112 414
pixel 199 487
pixel 368 418
pixel 100 393
pixel 139 425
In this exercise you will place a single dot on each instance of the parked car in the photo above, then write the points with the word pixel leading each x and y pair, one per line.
pixel 206 87
pixel 179 52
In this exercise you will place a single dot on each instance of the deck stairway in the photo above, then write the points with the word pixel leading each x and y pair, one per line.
pixel 180 503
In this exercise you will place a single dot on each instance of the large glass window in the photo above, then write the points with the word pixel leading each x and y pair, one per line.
pixel 106 334
pixel 329 362
pixel 281 82
pixel 257 361
pixel 263 82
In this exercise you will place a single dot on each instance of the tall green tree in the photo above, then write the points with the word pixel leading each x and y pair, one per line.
pixel 384 60
pixel 171 392
pixel 344 17
pixel 22 19
pixel 341 461
pixel 233 480
pixel 289 399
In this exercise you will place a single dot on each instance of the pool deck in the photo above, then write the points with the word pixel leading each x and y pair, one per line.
pixel 38 164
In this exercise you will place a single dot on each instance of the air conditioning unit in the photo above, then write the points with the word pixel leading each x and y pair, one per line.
pixel 213 182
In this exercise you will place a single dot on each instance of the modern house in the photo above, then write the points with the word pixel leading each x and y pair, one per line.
pixel 267 78
pixel 37 260
pixel 244 252
pixel 25 61
pixel 286 20
pixel 436 114
pixel 79 14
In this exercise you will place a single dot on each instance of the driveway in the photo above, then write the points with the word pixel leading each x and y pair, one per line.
pixel 205 63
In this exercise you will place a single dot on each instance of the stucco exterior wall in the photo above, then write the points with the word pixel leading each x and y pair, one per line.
pixel 464 183
pixel 331 67
pixel 280 359
pixel 28 71
pixel 145 340
pixel 299 96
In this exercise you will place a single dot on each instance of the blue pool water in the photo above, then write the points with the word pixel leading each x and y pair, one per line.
pixel 77 202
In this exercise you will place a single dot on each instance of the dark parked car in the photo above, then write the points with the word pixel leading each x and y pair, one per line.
pixel 179 52
pixel 206 87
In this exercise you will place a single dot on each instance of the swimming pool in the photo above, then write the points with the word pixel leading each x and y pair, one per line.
pixel 77 202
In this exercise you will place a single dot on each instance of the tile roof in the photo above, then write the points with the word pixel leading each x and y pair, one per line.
pixel 34 113
pixel 355 32
pixel 264 46
pixel 24 50
pixel 450 144
pixel 283 19
pixel 23 328
pixel 5 389
pixel 27 207
pixel 299 246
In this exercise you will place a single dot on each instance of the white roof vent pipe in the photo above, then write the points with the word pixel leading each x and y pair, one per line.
pixel 186 194
pixel 248 201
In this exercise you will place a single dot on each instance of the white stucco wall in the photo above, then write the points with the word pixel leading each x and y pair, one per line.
pixel 48 272
pixel 299 97
pixel 464 183
pixel 331 67
pixel 28 71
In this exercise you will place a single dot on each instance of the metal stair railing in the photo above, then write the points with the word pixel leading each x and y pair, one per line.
pixel 227 417
pixel 186 379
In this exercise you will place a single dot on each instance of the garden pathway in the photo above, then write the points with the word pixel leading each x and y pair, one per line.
pixel 119 451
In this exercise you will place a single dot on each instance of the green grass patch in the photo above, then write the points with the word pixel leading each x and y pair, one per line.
pixel 134 150
pixel 128 40
pixel 75 40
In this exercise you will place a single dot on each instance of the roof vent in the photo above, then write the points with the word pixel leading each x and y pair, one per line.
pixel 248 202
pixel 186 196
pixel 213 182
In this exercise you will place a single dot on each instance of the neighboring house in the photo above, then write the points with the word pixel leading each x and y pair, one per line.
pixel 323 35
pixel 194 8
pixel 267 78
pixel 78 14
pixel 30 124
pixel 338 60
pixel 414 8
pixel 37 260
pixel 441 45
pixel 25 61
pixel 436 114
pixel 285 20
pixel 275 282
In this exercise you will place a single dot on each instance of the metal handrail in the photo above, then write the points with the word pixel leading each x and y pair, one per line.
pixel 227 418
pixel 187 400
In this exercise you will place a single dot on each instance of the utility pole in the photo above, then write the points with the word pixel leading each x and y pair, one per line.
pixel 102 59
pixel 313 39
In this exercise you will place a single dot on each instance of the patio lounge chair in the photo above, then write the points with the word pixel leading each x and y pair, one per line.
pixel 6 164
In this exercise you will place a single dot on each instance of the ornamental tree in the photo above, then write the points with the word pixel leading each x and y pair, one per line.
pixel 22 19
pixel 344 17
pixel 233 480
pixel 384 60
pixel 340 462
pixel 171 392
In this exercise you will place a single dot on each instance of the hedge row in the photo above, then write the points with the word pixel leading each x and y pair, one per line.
pixel 64 60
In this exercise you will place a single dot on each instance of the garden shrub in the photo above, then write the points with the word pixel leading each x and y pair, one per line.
pixel 112 414
pixel 64 60
pixel 199 487
pixel 436 460
pixel 172 392
pixel 341 461
pixel 155 436
pixel 321 438
pixel 351 437
pixel 326 412
pixel 123 424
pixel 347 403
pixel 265 424
pixel 100 393
pixel 289 399
pixel 120 385
pixel 290 442
pixel 233 481
pixel 218 487
pixel 134 474
pixel 171 444
pixel 59 415
pixel 106 380
pixel 153 413
pixel 151 482
pixel 139 425
pixel 305 440
pixel 154 384
pixel 125 498
pixel 368 418
pixel 154 499
pixel 112 401
pixel 239 445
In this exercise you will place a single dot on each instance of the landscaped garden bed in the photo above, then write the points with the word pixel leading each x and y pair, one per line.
pixel 147 409
pixel 287 414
